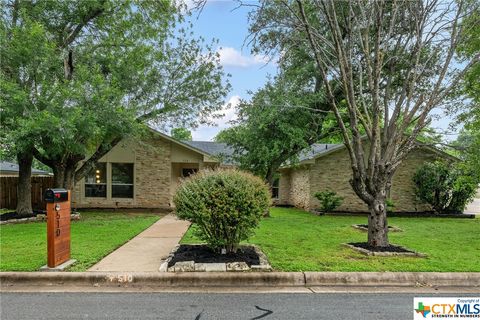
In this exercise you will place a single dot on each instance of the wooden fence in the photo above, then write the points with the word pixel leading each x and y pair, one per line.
pixel 8 191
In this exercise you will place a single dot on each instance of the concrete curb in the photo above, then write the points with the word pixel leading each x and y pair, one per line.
pixel 397 279
pixel 154 279
pixel 245 279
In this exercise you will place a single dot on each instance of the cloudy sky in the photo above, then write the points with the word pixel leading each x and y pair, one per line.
pixel 225 21
pixel 220 20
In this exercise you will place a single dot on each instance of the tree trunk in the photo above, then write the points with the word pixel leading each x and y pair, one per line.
pixel 269 177
pixel 24 187
pixel 377 224
pixel 58 175
pixel 69 178
pixel 63 176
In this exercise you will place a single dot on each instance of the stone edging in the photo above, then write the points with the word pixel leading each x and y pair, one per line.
pixel 191 266
pixel 38 218
pixel 239 279
pixel 386 254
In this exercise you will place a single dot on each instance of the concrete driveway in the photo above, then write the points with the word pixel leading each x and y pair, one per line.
pixel 474 207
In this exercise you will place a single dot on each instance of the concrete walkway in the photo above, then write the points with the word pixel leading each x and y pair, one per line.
pixel 146 251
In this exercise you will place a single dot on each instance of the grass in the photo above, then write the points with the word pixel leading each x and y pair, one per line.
pixel 295 240
pixel 23 247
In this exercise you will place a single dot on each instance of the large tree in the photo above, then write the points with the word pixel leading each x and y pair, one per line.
pixel 287 115
pixel 468 141
pixel 275 125
pixel 80 76
pixel 393 61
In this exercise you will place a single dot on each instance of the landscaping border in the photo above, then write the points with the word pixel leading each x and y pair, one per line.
pixel 366 252
pixel 191 266
pixel 37 218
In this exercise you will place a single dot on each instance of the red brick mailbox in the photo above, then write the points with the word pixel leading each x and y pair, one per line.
pixel 58 227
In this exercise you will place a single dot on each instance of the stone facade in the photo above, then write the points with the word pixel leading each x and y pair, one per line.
pixel 152 174
pixel 333 171
pixel 157 164
pixel 300 187
pixel 284 188
pixel 403 188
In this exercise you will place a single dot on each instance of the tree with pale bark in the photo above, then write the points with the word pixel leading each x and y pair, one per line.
pixel 395 62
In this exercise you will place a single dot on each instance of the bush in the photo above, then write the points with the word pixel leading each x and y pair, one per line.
pixel 390 205
pixel 224 205
pixel 329 200
pixel 446 187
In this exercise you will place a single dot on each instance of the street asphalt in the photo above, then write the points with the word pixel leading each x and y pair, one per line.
pixel 203 306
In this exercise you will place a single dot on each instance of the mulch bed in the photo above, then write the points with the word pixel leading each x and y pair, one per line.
pixel 13 215
pixel 390 248
pixel 364 227
pixel 203 254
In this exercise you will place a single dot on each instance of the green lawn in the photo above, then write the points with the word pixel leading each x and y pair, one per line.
pixel 23 247
pixel 295 240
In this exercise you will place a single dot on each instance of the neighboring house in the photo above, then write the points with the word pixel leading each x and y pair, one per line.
pixel 10 169
pixel 145 174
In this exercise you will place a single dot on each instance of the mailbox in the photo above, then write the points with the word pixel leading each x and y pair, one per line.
pixel 55 195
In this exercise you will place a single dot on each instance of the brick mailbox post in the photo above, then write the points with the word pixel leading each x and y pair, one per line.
pixel 58 229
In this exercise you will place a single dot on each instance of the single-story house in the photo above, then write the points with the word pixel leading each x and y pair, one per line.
pixel 10 169
pixel 327 166
pixel 145 174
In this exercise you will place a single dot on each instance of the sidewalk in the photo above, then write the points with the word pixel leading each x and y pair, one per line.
pixel 145 252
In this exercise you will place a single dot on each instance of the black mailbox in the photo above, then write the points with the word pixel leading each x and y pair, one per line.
pixel 55 195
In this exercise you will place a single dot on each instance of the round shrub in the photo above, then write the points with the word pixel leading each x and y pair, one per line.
pixel 224 205
pixel 329 200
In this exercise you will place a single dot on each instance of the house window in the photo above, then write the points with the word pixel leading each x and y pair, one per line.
pixel 275 188
pixel 122 180
pixel 187 172
pixel 96 182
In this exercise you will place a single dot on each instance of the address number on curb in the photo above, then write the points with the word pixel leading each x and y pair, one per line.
pixel 120 278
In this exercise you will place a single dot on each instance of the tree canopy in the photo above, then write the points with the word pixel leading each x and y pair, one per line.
pixel 278 122
pixel 287 115
pixel 77 77
pixel 181 134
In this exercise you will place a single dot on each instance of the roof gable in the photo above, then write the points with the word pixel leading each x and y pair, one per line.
pixel 217 149
pixel 179 142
